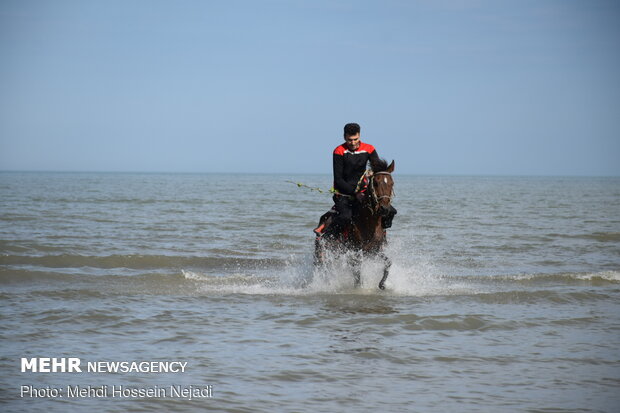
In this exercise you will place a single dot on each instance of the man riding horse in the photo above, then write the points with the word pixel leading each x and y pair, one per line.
pixel 350 160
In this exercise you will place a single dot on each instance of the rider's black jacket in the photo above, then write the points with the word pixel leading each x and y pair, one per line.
pixel 350 166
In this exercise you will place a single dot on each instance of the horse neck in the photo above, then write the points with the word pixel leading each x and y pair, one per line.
pixel 369 223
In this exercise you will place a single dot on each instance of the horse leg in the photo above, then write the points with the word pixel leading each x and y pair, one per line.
pixel 386 270
pixel 355 261
pixel 319 251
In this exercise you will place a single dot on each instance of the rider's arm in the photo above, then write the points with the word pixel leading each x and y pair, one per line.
pixel 374 160
pixel 339 183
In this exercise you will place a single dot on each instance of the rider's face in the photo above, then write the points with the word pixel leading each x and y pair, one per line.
pixel 353 142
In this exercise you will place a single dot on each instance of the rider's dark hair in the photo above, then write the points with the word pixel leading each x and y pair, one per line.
pixel 351 129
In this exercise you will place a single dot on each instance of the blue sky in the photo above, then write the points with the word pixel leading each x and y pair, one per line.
pixel 443 87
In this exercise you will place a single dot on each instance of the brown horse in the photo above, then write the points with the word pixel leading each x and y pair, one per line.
pixel 364 235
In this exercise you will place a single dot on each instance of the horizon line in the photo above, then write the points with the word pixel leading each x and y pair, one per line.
pixel 152 172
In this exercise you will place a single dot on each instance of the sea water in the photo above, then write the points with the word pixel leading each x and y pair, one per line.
pixel 504 294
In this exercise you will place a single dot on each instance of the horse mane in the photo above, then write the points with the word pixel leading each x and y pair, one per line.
pixel 379 165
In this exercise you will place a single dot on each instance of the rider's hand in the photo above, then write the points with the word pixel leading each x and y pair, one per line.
pixel 360 196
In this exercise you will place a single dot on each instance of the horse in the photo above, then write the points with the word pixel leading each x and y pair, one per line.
pixel 365 234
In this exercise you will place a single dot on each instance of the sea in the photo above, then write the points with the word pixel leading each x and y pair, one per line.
pixel 503 296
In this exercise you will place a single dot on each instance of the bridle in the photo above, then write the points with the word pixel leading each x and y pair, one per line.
pixel 373 193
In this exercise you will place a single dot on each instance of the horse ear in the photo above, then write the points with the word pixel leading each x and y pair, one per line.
pixel 390 168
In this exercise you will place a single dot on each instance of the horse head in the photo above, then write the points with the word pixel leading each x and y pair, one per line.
pixel 382 189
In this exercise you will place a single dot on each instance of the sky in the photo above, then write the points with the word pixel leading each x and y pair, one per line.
pixel 513 87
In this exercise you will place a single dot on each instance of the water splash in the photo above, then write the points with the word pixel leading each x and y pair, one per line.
pixel 411 274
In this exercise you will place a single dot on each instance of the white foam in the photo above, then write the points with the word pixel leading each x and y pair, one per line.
pixel 613 276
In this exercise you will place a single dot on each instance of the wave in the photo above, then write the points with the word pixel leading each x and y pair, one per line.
pixel 604 277
pixel 562 288
pixel 250 277
pixel 138 261
pixel 222 273
pixel 612 237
